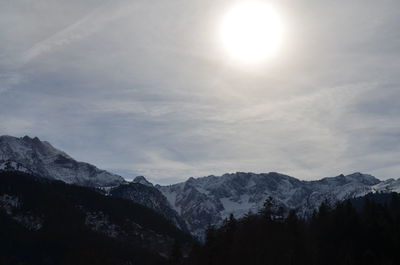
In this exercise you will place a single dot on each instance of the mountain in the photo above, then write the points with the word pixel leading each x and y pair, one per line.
pixel 34 156
pixel 45 221
pixel 209 200
pixel 143 192
pixel 387 186
pixel 195 204
pixel 358 231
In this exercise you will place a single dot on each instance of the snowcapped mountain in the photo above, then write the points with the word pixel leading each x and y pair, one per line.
pixel 209 200
pixel 34 156
pixel 143 192
pixel 88 226
pixel 196 203
pixel 142 180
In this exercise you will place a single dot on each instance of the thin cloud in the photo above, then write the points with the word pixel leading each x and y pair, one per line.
pixel 83 28
pixel 142 88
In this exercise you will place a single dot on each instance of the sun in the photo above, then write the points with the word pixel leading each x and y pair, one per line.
pixel 251 32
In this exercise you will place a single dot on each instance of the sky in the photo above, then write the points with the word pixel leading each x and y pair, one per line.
pixel 143 87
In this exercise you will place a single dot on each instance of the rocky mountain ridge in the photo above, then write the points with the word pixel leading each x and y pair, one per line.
pixel 195 204
pixel 40 158
pixel 48 221
pixel 209 200
pixel 32 155
pixel 142 192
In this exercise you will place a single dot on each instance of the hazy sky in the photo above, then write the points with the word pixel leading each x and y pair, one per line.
pixel 143 87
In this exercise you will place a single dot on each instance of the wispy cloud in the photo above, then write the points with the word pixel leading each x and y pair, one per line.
pixel 141 87
pixel 91 23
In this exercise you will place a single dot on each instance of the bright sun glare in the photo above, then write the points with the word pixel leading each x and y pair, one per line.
pixel 251 32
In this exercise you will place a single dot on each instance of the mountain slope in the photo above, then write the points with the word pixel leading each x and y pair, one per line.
pixel 49 222
pixel 142 192
pixel 209 200
pixel 196 203
pixel 367 233
pixel 40 158
pixel 30 155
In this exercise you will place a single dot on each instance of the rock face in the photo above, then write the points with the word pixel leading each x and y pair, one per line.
pixel 142 192
pixel 195 204
pixel 209 200
pixel 33 156
pixel 37 157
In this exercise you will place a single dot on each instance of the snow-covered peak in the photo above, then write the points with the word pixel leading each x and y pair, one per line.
pixel 355 179
pixel 142 180
pixel 26 146
pixel 363 178
pixel 208 200
pixel 41 158
pixel 390 185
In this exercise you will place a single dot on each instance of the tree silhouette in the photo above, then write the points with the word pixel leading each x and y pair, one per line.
pixel 356 232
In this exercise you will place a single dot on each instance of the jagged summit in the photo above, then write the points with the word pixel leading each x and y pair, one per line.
pixel 142 180
pixel 208 200
pixel 354 177
pixel 197 202
pixel 41 158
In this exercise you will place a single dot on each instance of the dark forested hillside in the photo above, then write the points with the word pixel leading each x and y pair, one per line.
pixel 149 196
pixel 49 222
pixel 342 234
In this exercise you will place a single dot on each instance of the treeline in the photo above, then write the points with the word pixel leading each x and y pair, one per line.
pixel 363 232
pixel 78 226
